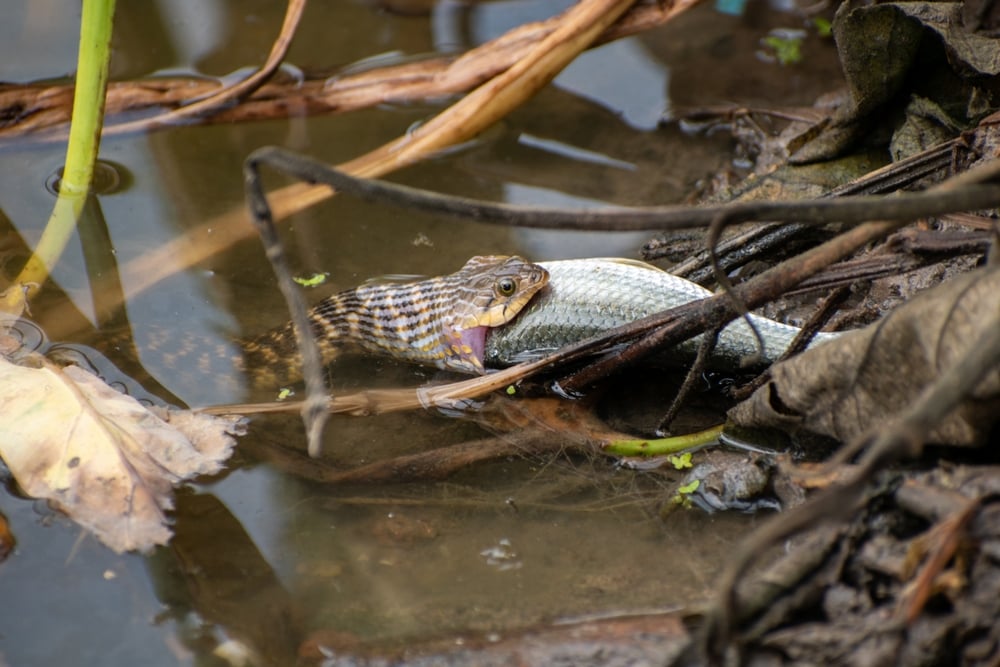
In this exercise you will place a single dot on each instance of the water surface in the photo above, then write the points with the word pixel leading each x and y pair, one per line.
pixel 268 558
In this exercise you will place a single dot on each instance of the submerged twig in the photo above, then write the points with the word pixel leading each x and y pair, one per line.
pixel 421 466
pixel 314 412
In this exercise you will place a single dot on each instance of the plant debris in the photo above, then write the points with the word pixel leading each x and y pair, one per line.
pixel 100 456
pixel 861 383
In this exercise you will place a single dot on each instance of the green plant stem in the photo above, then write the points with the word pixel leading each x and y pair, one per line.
pixel 663 446
pixel 84 139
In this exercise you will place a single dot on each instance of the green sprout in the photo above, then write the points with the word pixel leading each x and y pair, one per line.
pixel 689 488
pixel 680 461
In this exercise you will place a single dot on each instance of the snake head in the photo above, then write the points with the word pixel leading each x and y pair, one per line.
pixel 489 291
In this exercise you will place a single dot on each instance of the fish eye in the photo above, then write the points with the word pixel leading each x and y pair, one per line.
pixel 506 286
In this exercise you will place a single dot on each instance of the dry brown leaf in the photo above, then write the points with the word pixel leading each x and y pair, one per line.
pixel 847 386
pixel 101 456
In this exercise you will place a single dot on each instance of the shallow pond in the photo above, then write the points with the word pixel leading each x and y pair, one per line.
pixel 261 555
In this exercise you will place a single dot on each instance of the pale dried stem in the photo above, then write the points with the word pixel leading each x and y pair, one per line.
pixel 40 110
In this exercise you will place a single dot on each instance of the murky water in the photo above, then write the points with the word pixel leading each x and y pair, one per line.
pixel 261 555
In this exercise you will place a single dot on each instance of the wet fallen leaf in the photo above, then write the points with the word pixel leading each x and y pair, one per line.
pixel 847 386
pixel 100 456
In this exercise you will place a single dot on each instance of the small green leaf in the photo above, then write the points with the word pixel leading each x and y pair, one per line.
pixel 313 280
pixel 680 461
pixel 285 393
pixel 683 496
pixel 689 488
pixel 511 390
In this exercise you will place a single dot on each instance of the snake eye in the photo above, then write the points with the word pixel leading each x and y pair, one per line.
pixel 506 286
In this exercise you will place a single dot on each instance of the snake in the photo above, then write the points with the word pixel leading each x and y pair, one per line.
pixel 495 311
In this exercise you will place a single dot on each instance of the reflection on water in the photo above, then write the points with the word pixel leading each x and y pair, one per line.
pixel 263 558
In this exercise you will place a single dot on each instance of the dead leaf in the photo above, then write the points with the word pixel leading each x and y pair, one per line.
pixel 99 455
pixel 900 53
pixel 847 386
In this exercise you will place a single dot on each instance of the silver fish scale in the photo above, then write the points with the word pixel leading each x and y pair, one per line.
pixel 587 297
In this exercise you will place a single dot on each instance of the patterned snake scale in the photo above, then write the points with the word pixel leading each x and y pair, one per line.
pixel 437 322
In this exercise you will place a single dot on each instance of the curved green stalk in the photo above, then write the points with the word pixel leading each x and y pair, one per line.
pixel 664 446
pixel 84 138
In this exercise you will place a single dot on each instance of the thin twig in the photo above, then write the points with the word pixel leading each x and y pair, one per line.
pixel 815 322
pixel 679 324
pixel 984 172
pixel 709 340
pixel 943 541
pixel 844 210
pixel 314 412
pixel 227 96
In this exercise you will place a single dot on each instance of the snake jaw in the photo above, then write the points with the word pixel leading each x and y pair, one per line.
pixel 465 347
pixel 485 306
pixel 475 339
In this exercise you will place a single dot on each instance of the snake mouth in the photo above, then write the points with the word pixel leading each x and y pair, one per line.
pixel 474 338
